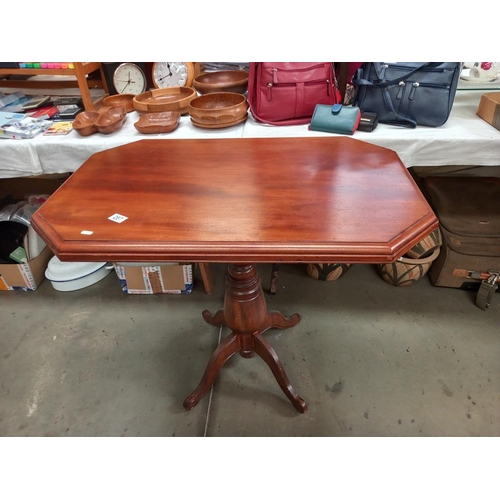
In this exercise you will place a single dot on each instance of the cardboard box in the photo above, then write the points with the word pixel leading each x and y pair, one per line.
pixel 27 277
pixel 149 278
pixel 30 275
pixel 489 108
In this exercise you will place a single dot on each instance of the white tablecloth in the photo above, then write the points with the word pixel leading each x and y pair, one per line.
pixel 465 139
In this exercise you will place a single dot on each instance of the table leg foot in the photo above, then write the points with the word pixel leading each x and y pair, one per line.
pixel 216 319
pixel 228 347
pixel 264 349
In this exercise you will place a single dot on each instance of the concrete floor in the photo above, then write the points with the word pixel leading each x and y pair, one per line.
pixel 369 359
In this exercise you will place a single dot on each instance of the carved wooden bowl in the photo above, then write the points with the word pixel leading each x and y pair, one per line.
pixel 168 99
pixel 158 123
pixel 219 109
pixel 84 122
pixel 222 81
pixel 120 100
pixel 111 120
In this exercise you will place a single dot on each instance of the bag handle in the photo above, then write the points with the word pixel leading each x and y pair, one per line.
pixel 385 83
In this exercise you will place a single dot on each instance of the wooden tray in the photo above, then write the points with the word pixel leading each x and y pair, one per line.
pixel 158 123
pixel 168 99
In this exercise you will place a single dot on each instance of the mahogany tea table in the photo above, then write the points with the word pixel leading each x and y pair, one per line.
pixel 241 202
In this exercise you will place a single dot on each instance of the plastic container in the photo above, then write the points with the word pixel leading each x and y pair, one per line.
pixel 70 276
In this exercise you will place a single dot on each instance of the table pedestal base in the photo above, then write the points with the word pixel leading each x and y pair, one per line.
pixel 246 314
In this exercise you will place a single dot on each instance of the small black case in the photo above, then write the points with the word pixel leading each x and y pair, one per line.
pixel 368 122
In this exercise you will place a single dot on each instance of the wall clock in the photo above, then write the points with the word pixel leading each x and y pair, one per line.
pixel 173 74
pixel 125 77
pixel 128 78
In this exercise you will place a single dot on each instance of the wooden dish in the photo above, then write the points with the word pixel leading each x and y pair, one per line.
pixel 158 123
pixel 218 108
pixel 120 100
pixel 168 99
pixel 84 122
pixel 222 81
pixel 111 120
pixel 218 125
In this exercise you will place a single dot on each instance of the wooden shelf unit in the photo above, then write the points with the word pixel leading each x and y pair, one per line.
pixel 81 71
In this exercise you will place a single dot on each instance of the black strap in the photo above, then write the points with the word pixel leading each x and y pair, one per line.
pixel 385 83
pixel 401 120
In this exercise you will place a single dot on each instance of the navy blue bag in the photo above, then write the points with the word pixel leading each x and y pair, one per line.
pixel 407 94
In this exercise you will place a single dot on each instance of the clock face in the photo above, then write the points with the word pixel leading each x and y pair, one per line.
pixel 128 78
pixel 172 74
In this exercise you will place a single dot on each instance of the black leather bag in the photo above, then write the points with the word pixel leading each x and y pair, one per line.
pixel 407 94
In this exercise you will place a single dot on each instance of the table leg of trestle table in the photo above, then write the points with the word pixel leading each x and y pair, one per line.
pixel 245 313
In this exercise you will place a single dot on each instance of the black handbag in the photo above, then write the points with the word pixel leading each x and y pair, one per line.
pixel 407 94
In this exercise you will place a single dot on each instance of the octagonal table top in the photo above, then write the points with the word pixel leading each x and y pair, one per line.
pixel 318 199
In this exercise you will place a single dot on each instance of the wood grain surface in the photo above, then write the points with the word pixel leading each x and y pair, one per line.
pixel 318 199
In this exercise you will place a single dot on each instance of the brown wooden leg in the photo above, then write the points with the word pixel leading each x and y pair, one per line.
pixel 266 352
pixel 224 351
pixel 245 313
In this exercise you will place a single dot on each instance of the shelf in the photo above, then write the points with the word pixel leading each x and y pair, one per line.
pixel 80 71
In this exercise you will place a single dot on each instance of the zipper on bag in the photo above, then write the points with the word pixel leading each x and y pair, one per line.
pixel 401 90
pixel 409 68
pixel 415 85
pixel 270 85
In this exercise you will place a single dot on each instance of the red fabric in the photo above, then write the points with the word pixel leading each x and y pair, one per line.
pixel 353 66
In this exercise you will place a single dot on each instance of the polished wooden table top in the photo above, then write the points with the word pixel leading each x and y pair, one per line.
pixel 318 199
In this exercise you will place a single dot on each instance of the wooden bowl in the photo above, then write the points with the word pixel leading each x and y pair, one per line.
pixel 222 81
pixel 119 101
pixel 84 122
pixel 158 123
pixel 167 99
pixel 218 109
pixel 111 120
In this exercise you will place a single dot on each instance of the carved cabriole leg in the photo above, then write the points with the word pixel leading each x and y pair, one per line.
pixel 224 351
pixel 246 315
pixel 266 352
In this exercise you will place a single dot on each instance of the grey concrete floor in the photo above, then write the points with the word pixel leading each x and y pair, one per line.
pixel 369 359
